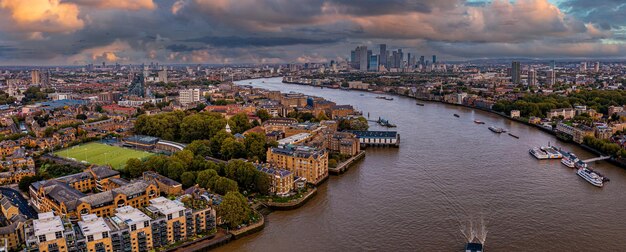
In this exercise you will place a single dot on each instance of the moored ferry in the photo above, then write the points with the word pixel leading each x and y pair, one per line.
pixel 538 153
pixel 591 177
pixel 553 152
pixel 569 159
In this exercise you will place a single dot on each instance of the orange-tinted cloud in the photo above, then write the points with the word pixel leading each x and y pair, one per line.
pixel 41 15
pixel 133 5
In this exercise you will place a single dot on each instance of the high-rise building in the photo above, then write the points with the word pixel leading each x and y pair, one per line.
pixel 583 66
pixel 35 78
pixel 532 77
pixel 374 63
pixel 596 67
pixel 434 59
pixel 362 57
pixel 516 72
pixel 422 61
pixel 163 75
pixel 551 77
pixel 353 61
pixel 383 54
pixel 186 96
pixel 369 55
pixel 137 86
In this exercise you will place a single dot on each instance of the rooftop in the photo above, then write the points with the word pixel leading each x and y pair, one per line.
pixel 165 206
pixel 47 223
pixel 130 215
pixel 92 224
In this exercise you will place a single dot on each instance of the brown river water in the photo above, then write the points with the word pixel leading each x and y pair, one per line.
pixel 447 173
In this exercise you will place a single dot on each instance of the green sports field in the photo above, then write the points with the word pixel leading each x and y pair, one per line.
pixel 102 154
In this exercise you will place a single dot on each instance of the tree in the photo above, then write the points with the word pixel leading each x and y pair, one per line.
pixel 185 156
pixel 256 146
pixel 174 170
pixel 188 179
pixel 200 148
pixel 321 116
pixel 225 185
pixel 156 163
pixel 201 126
pixel 207 178
pixel 26 181
pixel 239 123
pixel 263 114
pixel 262 183
pixel 216 142
pixel 234 209
pixel 231 149
pixel 81 117
pixel 134 167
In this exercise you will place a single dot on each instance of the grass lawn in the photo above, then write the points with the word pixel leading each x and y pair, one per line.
pixel 102 154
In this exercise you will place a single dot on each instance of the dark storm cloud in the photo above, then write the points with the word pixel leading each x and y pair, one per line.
pixel 234 41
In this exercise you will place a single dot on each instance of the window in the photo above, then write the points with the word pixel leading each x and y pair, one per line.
pixel 133 227
pixel 180 213
pixel 105 234
pixel 58 234
pixel 90 238
pixel 42 238
pixel 146 223
pixel 169 216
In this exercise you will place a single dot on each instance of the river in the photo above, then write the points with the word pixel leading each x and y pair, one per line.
pixel 447 172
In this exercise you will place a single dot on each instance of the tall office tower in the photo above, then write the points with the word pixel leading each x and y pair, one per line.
pixel 394 56
pixel 412 60
pixel 551 77
pixel 383 54
pixel 163 76
pixel 583 66
pixel 369 55
pixel 374 63
pixel 35 78
pixel 596 67
pixel 516 72
pixel 532 77
pixel 353 60
pixel 398 58
pixel 434 59
pixel 553 65
pixel 422 62
pixel 45 79
pixel 361 53
pixel 408 59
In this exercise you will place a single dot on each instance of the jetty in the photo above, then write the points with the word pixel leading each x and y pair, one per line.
pixel 596 159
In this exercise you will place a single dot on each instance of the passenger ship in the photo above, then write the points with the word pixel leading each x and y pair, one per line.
pixel 591 177
pixel 538 153
pixel 569 159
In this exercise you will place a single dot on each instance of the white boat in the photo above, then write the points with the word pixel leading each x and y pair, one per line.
pixel 568 162
pixel 591 177
pixel 538 153
pixel 553 152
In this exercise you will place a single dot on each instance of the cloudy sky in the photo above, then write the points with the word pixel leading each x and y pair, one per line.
pixel 77 32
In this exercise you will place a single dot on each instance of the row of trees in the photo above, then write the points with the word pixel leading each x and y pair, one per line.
pixel 359 123
pixel 190 169
pixel 539 105
pixel 5 98
pixel 225 146
pixel 605 146
pixel 182 127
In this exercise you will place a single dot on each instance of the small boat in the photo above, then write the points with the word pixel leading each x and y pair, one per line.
pixel 514 136
pixel 419 104
pixel 381 97
pixel 473 247
pixel 479 122
pixel 591 177
pixel 362 95
pixel 495 129
pixel 389 98
pixel 455 115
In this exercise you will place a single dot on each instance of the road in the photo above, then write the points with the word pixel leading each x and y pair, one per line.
pixel 21 203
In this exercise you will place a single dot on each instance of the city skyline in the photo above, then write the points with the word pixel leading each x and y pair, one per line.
pixel 79 32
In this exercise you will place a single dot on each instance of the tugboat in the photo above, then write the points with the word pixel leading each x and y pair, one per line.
pixel 456 115
pixel 473 247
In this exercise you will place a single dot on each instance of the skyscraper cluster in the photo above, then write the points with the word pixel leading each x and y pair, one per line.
pixel 364 60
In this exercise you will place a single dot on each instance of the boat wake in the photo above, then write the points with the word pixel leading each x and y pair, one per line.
pixel 474 230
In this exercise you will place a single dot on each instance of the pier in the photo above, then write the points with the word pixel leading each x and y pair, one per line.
pixel 596 159
pixel 378 138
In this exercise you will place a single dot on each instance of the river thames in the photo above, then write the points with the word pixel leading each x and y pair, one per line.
pixel 447 172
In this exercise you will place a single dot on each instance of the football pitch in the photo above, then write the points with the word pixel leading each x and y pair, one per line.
pixel 102 154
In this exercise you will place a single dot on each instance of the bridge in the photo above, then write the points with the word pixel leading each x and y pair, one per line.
pixel 596 159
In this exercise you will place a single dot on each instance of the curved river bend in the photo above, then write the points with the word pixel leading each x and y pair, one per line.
pixel 447 172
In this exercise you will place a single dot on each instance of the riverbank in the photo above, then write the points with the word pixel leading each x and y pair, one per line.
pixel 344 166
pixel 293 204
